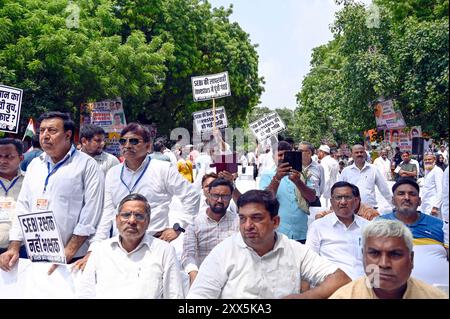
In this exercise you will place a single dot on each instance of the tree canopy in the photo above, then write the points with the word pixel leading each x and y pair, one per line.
pixel 63 53
pixel 395 50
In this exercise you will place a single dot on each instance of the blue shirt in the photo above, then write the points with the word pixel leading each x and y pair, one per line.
pixel 293 220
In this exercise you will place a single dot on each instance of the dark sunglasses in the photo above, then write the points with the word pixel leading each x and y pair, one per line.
pixel 132 141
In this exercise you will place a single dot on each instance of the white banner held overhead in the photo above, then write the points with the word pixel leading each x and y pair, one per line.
pixel 213 86
pixel 10 103
pixel 267 126
pixel 41 237
pixel 203 120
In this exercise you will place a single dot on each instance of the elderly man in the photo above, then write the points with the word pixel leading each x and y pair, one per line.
pixel 430 233
pixel 388 261
pixel 331 172
pixel 259 262
pixel 383 164
pixel 132 264
pixel 432 186
pixel 64 181
pixel 337 236
pixel 365 176
pixel 11 178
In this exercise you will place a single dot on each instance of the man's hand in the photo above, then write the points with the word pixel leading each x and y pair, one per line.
pixel 169 234
pixel 80 264
pixel 435 212
pixel 192 276
pixel 10 257
pixel 283 170
pixel 294 176
pixel 227 175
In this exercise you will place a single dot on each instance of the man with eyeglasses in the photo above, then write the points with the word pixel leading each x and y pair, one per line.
pixel 11 178
pixel 92 138
pixel 64 181
pixel 337 236
pixel 157 180
pixel 132 264
pixel 211 228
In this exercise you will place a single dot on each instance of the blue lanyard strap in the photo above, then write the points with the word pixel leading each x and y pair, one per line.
pixel 139 178
pixel 10 185
pixel 57 166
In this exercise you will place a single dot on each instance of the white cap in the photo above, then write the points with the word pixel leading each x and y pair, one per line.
pixel 325 148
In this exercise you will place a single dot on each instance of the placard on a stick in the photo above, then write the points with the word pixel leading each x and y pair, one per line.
pixel 204 120
pixel 267 126
pixel 10 103
pixel 213 86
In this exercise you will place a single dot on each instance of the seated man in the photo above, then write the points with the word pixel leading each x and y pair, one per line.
pixel 361 209
pixel 259 262
pixel 132 264
pixel 388 261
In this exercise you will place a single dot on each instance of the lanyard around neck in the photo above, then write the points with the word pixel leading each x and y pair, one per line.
pixel 139 178
pixel 57 166
pixel 14 181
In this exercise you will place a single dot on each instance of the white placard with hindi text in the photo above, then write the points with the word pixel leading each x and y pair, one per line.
pixel 10 103
pixel 267 126
pixel 203 120
pixel 42 238
pixel 213 86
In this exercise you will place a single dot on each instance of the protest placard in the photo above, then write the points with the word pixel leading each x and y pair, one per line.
pixel 213 86
pixel 402 137
pixel 42 239
pixel 204 120
pixel 10 103
pixel 267 126
pixel 386 117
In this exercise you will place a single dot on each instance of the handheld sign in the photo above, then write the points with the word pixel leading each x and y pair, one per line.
pixel 213 86
pixel 42 239
pixel 10 103
pixel 204 120
pixel 267 126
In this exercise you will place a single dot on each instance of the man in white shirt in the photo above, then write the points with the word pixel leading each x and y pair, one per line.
pixel 92 138
pixel 11 178
pixel 445 201
pixel 337 236
pixel 365 176
pixel 431 191
pixel 258 262
pixel 384 165
pixel 211 228
pixel 62 180
pixel 313 171
pixel 157 180
pixel 331 172
pixel 132 264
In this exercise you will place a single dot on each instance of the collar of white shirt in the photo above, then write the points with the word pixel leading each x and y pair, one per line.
pixel 146 240
pixel 279 243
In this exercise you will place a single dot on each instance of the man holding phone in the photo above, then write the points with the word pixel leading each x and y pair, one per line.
pixel 284 181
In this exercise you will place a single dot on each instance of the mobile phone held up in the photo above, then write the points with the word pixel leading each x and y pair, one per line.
pixel 294 158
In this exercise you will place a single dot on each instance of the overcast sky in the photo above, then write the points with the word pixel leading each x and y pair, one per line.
pixel 286 32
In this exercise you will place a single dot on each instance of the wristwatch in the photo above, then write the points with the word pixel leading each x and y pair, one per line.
pixel 178 228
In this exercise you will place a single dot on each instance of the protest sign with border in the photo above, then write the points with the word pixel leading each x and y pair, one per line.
pixel 10 103
pixel 402 137
pixel 212 86
pixel 267 126
pixel 203 120
pixel 42 238
pixel 386 117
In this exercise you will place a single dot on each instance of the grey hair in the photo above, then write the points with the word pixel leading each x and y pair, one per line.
pixel 388 228
pixel 137 197
pixel 309 145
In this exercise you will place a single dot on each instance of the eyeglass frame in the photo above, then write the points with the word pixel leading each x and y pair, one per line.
pixel 131 140
pixel 139 217
pixel 225 198
pixel 341 197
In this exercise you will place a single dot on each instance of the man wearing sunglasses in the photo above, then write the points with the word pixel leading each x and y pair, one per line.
pixel 211 228
pixel 157 180
pixel 144 266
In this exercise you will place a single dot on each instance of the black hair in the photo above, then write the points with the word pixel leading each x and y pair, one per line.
pixel 405 180
pixel 265 197
pixel 138 197
pixel 69 125
pixel 17 143
pixel 284 146
pixel 355 189
pixel 139 130
pixel 221 182
pixel 88 131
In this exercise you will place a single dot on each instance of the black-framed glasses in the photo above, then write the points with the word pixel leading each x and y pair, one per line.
pixel 346 198
pixel 132 141
pixel 217 196
pixel 140 217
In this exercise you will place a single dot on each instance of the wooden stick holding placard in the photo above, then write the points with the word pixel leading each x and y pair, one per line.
pixel 214 114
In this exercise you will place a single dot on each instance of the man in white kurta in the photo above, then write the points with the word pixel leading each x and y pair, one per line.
pixel 384 165
pixel 431 192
